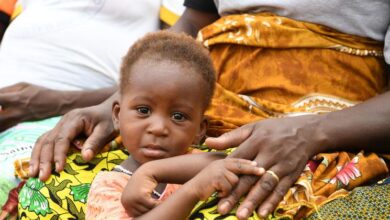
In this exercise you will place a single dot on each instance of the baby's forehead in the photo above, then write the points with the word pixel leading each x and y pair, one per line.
pixel 154 67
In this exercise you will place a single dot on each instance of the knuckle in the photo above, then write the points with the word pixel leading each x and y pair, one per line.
pixel 216 183
pixel 249 180
pixel 266 186
pixel 279 193
pixel 234 180
pixel 58 139
pixel 234 197
pixel 32 162
pixel 44 162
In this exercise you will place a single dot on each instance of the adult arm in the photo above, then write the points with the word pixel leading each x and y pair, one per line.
pixel 285 145
pixel 193 20
pixel 24 102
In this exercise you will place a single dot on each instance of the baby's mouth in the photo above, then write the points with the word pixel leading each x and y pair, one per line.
pixel 153 151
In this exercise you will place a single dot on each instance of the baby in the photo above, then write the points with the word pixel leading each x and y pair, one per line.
pixel 167 81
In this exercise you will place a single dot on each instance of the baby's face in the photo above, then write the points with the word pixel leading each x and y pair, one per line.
pixel 160 113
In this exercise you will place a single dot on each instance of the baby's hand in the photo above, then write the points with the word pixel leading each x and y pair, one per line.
pixel 137 195
pixel 222 176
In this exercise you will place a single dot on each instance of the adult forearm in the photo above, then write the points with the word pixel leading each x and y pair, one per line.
pixel 79 99
pixel 192 21
pixel 365 126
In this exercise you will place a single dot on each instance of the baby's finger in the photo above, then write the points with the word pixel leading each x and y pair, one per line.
pixel 243 166
pixel 137 210
pixel 224 187
pixel 141 206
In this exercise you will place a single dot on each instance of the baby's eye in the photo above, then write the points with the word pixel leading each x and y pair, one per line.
pixel 178 116
pixel 143 110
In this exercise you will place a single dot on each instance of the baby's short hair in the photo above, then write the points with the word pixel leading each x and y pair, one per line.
pixel 176 47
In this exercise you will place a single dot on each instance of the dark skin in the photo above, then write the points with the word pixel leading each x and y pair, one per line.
pixel 202 175
pixel 282 145
pixel 3 27
pixel 26 102
pixel 83 121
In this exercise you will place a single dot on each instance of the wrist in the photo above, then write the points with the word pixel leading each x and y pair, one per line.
pixel 191 190
pixel 44 103
pixel 318 135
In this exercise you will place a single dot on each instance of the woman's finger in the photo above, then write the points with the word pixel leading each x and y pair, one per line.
pixel 243 166
pixel 258 193
pixel 230 139
pixel 276 196
pixel 100 136
pixel 46 160
pixel 35 156
pixel 226 204
pixel 63 134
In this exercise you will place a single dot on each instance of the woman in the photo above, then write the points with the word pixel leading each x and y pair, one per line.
pixel 280 60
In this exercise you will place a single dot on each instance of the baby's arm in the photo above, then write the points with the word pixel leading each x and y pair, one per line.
pixel 136 197
pixel 220 176
pixel 180 169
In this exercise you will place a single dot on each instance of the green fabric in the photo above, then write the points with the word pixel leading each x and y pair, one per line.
pixel 16 143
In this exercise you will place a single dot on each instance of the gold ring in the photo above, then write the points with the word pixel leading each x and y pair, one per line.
pixel 273 174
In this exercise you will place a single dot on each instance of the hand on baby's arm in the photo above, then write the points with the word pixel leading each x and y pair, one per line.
pixel 221 176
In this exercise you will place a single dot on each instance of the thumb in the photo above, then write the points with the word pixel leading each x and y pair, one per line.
pixel 230 139
pixel 95 142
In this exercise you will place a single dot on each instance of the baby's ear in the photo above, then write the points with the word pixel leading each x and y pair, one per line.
pixel 201 136
pixel 115 114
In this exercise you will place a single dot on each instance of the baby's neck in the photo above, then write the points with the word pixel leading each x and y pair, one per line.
pixel 130 164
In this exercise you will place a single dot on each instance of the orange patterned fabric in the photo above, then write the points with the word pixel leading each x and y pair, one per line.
pixel 270 66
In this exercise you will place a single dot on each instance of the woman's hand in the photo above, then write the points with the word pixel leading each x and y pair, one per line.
pixel 282 146
pixel 93 122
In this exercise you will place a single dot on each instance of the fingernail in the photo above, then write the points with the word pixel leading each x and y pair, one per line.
pixel 254 163
pixel 225 207
pixel 57 166
pixel 87 154
pixel 261 170
pixel 264 212
pixel 40 174
pixel 243 213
